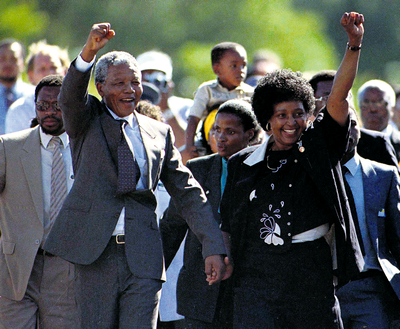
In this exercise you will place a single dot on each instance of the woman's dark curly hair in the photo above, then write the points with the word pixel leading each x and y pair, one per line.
pixel 277 87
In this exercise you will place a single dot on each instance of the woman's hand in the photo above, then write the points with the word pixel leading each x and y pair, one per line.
pixel 353 25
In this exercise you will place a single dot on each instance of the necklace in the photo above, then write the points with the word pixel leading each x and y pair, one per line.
pixel 274 170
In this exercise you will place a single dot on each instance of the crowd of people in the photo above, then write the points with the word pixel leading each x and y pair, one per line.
pixel 266 201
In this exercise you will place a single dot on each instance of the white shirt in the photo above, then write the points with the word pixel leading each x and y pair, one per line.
pixel 20 114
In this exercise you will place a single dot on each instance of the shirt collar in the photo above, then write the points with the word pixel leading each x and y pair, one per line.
pixel 14 87
pixel 388 130
pixel 131 118
pixel 241 87
pixel 353 164
pixel 258 155
pixel 45 138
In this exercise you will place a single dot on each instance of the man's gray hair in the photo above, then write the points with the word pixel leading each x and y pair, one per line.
pixel 387 90
pixel 112 58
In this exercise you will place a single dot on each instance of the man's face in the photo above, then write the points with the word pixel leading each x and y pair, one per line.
pixel 11 63
pixel 375 109
pixel 122 89
pixel 321 94
pixel 44 65
pixel 47 111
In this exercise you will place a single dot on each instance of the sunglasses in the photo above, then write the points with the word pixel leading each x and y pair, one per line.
pixel 45 106
pixel 158 79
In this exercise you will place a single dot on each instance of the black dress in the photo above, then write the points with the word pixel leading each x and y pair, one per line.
pixel 277 283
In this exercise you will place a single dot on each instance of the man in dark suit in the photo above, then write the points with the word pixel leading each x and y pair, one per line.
pixel 376 100
pixel 373 145
pixel 108 225
pixel 371 300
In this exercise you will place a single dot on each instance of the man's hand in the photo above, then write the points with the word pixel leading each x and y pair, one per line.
pixel 353 25
pixel 98 37
pixel 214 269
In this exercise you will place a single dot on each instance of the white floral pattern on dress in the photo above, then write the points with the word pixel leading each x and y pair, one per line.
pixel 253 195
pixel 271 231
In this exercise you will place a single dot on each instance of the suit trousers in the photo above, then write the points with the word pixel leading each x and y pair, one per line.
pixel 49 300
pixel 110 296
pixel 368 303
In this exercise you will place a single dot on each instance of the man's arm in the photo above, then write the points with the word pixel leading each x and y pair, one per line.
pixel 74 99
pixel 337 104
pixel 190 150
pixel 191 200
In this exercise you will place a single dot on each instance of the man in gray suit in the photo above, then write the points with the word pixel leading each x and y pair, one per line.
pixel 108 225
pixel 371 300
pixel 35 287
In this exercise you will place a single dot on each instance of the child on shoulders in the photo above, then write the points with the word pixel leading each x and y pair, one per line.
pixel 229 63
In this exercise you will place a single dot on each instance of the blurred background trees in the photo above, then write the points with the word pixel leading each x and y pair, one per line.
pixel 305 33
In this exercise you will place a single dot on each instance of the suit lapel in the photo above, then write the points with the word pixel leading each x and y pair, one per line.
pixel 31 163
pixel 154 152
pixel 112 133
pixel 212 183
pixel 371 186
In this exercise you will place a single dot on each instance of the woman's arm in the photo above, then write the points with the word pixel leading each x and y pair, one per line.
pixel 337 104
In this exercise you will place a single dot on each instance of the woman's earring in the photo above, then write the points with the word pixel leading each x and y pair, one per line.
pixel 268 126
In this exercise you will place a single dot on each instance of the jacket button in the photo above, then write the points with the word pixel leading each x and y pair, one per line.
pixel 37 241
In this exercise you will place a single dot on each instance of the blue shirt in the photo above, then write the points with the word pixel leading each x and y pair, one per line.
pixel 20 89
pixel 355 179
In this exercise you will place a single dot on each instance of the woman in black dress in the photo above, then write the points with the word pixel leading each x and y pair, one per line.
pixel 282 197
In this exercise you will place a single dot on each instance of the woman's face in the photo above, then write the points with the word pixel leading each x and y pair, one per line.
pixel 287 124
pixel 230 134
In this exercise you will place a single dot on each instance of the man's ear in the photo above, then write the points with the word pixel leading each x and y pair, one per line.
pixel 215 68
pixel 99 87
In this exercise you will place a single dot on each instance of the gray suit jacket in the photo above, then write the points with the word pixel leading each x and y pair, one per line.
pixel 89 215
pixel 382 204
pixel 21 210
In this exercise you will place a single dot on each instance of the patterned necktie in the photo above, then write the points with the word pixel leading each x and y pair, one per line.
pixel 58 180
pixel 128 168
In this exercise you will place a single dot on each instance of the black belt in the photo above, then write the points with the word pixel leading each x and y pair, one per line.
pixel 119 238
pixel 44 253
pixel 367 274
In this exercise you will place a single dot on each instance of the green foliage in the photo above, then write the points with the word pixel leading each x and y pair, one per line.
pixel 21 20
pixel 305 33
